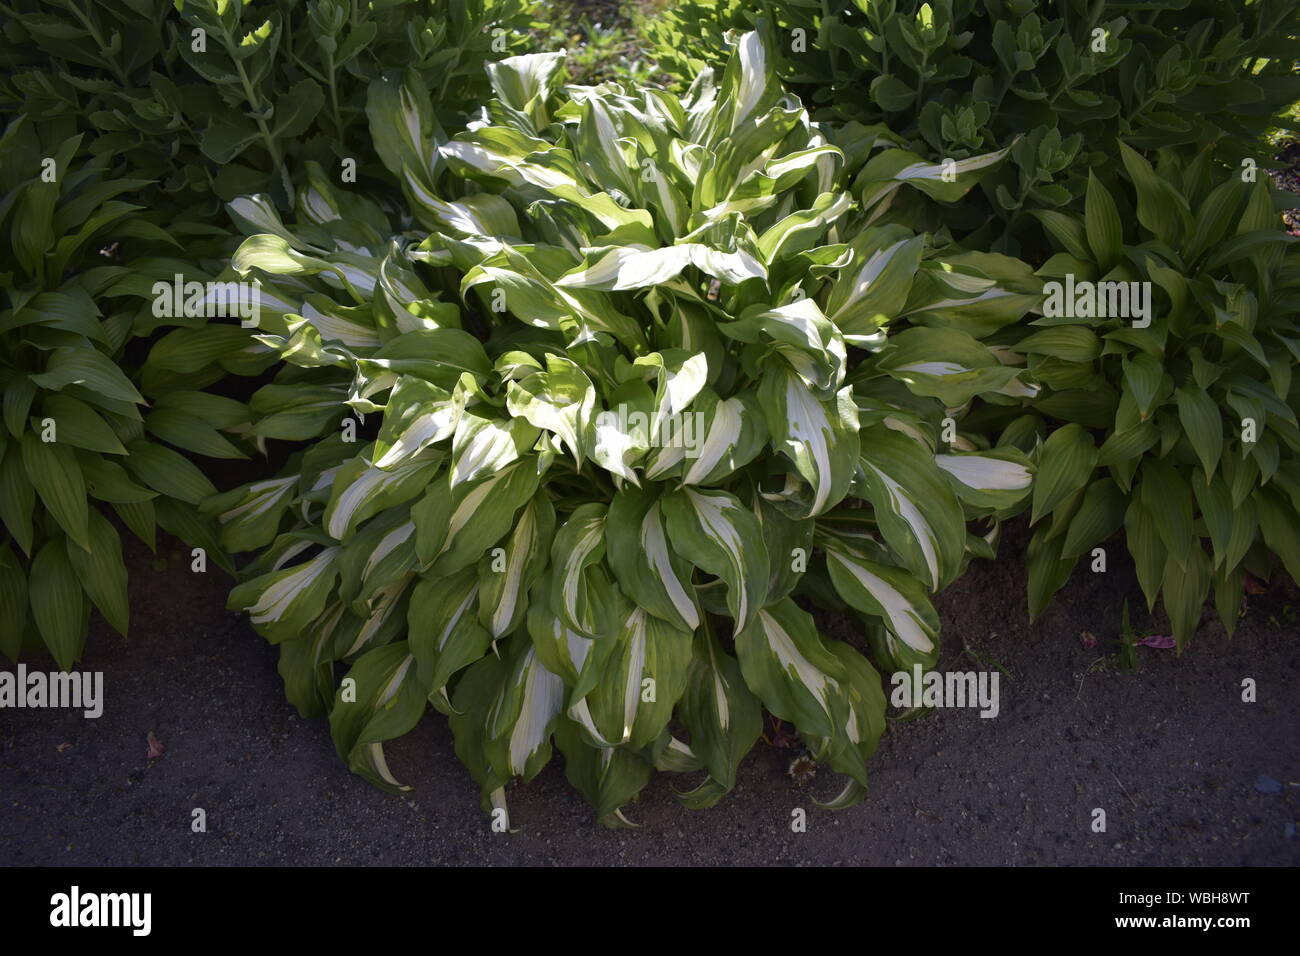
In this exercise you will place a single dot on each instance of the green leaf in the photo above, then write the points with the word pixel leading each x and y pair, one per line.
pixel 1160 208
pixel 1065 463
pixel 1167 498
pixel 381 698
pixel 102 572
pixel 53 471
pixel 1143 375
pixel 715 532
pixel 1048 570
pixel 57 604
pixel 894 596
pixel 1100 515
pixel 820 438
pixel 644 564
pixel 1186 586
pixel 88 368
pixel 13 603
pixel 786 663
pixel 79 425
pixel 168 472
pixel 1147 547
pixel 1203 422
pixel 505 577
pixel 1102 224
pixel 722 716
pixel 918 514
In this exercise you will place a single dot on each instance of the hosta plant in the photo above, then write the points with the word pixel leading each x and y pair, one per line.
pixel 1166 353
pixel 79 446
pixel 1062 80
pixel 601 438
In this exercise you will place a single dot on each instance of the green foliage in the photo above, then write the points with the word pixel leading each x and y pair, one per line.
pixel 584 503
pixel 132 120
pixel 1179 425
pixel 77 442
pixel 211 99
pixel 1060 82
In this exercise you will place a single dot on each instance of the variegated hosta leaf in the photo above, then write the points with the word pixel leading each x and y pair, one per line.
pixel 559 400
pixel 915 509
pixel 715 532
pixel 455 527
pixel 722 716
pixel 891 168
pixel 789 543
pixel 609 777
pixel 579 660
pixel 848 752
pixel 283 602
pixel 250 516
pixel 894 596
pixel 786 663
pixel 517 731
pixel 602 148
pixel 380 553
pixel 443 626
pixel 680 377
pixel 508 571
pixel 1000 478
pixel 374 622
pixel 809 342
pixel 722 435
pixel 498 154
pixel 418 414
pixel 749 86
pixel 336 324
pixel 381 698
pixel 484 445
pixel 645 566
pixel 474 699
pixel 801 230
pixel 627 267
pixel 976 293
pixel 306 666
pixel 580 591
pixel 642 681
pixel 527 283
pixel 360 490
pixel 874 290
pixel 949 365
pixel 440 356
pixel 620 435
pixel 479 214
pixel 406 134
pixel 524 83
pixel 820 438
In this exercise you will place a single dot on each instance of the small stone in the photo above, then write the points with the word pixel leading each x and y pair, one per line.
pixel 1266 784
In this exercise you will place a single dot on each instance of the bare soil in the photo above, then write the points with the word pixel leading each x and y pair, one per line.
pixel 1171 753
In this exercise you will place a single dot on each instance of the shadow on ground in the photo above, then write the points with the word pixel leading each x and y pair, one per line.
pixel 1171 753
